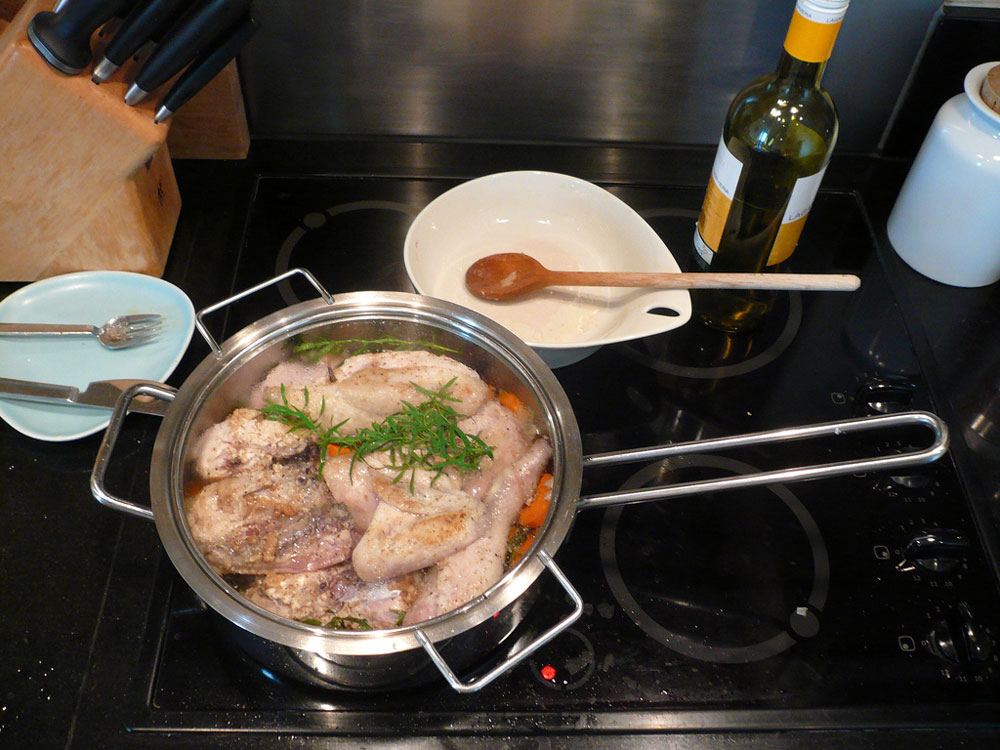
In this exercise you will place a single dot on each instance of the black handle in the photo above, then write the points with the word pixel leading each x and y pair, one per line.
pixel 196 31
pixel 205 68
pixel 63 38
pixel 142 24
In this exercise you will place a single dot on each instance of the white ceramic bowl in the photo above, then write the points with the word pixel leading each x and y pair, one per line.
pixel 567 224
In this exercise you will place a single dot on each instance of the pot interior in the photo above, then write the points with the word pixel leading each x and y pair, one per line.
pixel 223 383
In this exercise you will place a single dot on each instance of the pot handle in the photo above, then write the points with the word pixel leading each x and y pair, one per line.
pixel 478 683
pixel 210 339
pixel 97 488
pixel 796 474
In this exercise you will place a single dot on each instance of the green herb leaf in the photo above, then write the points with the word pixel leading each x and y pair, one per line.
pixel 400 616
pixel 349 623
pixel 514 541
pixel 292 416
pixel 426 436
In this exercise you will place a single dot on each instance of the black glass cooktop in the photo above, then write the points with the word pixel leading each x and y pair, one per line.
pixel 862 601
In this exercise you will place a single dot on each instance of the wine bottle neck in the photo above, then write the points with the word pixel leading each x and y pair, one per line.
pixel 807 73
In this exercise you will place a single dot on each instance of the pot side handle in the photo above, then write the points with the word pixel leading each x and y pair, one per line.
pixel 933 452
pixel 478 683
pixel 97 488
pixel 210 339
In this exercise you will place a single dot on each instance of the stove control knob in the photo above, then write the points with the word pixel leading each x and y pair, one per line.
pixel 884 396
pixel 938 550
pixel 958 639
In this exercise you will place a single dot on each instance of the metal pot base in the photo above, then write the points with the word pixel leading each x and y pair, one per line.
pixel 477 647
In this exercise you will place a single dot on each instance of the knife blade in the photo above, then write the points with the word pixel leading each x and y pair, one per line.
pixel 197 30
pixel 204 69
pixel 144 22
pixel 63 38
pixel 101 393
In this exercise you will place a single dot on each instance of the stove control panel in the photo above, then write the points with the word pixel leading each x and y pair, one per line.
pixel 959 639
pixel 927 558
pixel 884 396
pixel 938 550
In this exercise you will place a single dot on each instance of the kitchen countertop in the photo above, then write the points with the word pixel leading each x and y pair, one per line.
pixel 58 547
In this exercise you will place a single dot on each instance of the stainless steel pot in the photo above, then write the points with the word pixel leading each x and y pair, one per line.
pixel 391 658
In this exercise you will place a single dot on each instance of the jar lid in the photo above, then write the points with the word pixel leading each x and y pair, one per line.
pixel 990 90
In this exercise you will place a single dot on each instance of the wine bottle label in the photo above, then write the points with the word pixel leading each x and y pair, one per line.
pixel 719 201
pixel 813 30
pixel 792 223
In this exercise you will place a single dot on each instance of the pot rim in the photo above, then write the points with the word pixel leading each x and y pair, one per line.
pixel 169 450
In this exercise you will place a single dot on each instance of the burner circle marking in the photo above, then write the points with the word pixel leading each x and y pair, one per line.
pixel 775 350
pixel 314 220
pixel 803 620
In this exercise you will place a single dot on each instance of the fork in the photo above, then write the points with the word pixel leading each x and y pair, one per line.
pixel 122 332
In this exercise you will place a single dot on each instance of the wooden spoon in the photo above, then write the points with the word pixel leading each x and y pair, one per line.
pixel 508 275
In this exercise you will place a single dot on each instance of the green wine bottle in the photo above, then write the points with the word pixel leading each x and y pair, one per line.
pixel 777 139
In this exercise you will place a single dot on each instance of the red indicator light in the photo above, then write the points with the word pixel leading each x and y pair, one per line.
pixel 548 672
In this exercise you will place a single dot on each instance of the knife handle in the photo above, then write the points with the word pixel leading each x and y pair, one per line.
pixel 193 33
pixel 63 38
pixel 205 68
pixel 142 24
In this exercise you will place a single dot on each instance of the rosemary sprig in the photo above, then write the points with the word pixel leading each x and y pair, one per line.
pixel 319 348
pixel 425 436
pixel 349 623
pixel 292 416
pixel 341 623
pixel 514 541
pixel 296 419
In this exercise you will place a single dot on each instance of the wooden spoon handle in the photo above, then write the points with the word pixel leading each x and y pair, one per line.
pixel 788 281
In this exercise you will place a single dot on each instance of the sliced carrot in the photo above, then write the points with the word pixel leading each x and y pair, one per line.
pixel 338 450
pixel 544 489
pixel 534 514
pixel 510 401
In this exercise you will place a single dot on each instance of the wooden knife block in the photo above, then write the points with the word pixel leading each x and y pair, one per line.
pixel 85 180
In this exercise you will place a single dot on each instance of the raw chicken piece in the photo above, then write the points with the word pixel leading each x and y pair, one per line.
pixel 381 389
pixel 395 360
pixel 281 518
pixel 327 406
pixel 244 441
pixel 335 592
pixel 398 542
pixel 408 524
pixel 360 484
pixel 465 575
pixel 352 486
pixel 504 433
pixel 292 373
pixel 366 394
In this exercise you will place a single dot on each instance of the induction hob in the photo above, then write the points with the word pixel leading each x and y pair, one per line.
pixel 863 601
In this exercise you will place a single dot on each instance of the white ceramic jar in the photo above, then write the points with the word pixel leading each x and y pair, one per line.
pixel 946 221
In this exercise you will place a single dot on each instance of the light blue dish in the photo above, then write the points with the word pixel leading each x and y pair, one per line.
pixel 88 297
